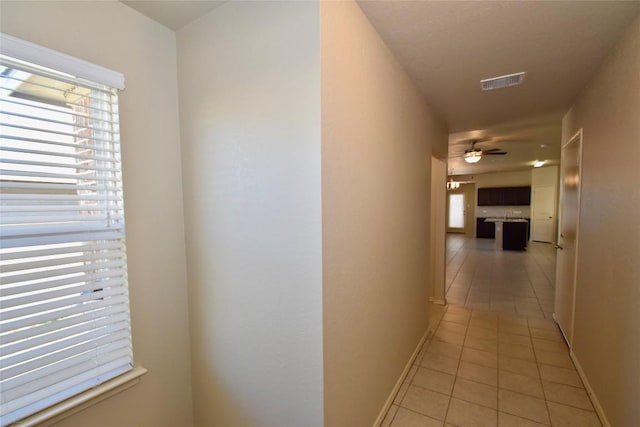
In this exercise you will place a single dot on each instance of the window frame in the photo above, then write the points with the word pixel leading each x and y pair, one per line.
pixel 74 69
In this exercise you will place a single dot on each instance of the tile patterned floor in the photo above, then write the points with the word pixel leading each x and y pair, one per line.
pixel 495 358
pixel 508 282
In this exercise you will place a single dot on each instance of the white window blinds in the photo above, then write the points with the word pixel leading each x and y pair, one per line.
pixel 64 311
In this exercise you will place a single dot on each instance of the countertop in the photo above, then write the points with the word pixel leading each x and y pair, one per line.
pixel 505 220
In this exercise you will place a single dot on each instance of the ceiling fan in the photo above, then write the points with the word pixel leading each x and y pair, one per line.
pixel 473 155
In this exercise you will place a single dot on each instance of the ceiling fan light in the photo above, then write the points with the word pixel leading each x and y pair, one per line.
pixel 472 157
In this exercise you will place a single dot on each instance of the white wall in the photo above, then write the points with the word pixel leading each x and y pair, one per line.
pixel 377 136
pixel 544 176
pixel 607 329
pixel 249 79
pixel 113 35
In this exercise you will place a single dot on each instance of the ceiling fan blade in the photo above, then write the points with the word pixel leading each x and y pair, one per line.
pixel 494 153
pixel 491 149
pixel 473 140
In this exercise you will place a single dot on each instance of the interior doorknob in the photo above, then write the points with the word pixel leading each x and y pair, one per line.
pixel 557 246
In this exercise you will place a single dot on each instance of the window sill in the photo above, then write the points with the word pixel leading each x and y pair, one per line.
pixel 83 400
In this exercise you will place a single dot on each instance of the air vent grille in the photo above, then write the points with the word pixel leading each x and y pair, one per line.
pixel 502 81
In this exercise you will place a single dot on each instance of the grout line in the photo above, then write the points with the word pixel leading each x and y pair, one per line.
pixel 446 414
pixel 498 365
pixel 419 413
pixel 393 417
pixel 544 393
pixel 495 283
pixel 498 370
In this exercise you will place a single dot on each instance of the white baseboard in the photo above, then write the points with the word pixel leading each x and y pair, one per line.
pixel 566 340
pixel 594 399
pixel 404 374
pixel 587 386
pixel 437 301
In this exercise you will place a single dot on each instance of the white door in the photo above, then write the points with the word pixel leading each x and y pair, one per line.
pixel 544 201
pixel 455 213
pixel 568 235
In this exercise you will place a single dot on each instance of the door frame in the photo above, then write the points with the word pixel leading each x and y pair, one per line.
pixel 578 136
pixel 438 230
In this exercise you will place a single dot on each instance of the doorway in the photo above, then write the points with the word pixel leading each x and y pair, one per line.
pixel 460 214
pixel 456 213
pixel 544 202
pixel 567 251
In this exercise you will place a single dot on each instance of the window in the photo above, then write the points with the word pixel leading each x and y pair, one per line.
pixel 456 210
pixel 64 310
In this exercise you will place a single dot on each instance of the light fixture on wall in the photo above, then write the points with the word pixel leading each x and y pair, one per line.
pixel 473 156
pixel 452 185
pixel 539 163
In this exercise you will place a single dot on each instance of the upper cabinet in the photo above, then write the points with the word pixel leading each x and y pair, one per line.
pixel 504 196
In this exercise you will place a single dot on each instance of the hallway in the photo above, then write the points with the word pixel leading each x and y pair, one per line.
pixel 496 357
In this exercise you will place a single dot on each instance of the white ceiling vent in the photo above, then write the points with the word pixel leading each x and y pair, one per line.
pixel 502 81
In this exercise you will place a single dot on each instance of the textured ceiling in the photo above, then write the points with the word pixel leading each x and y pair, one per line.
pixel 524 141
pixel 447 47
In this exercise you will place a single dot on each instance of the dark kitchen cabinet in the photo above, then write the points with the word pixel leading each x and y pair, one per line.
pixel 485 230
pixel 509 196
pixel 504 196
pixel 523 196
pixel 487 197
pixel 515 235
pixel 484 197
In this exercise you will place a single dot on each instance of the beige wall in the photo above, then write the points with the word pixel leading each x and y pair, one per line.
pixel 249 79
pixel 377 133
pixel 607 328
pixel 115 36
pixel 498 179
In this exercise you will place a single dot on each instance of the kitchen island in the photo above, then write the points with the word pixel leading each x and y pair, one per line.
pixel 510 233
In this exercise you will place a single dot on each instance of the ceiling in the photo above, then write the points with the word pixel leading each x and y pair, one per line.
pixel 171 13
pixel 525 141
pixel 447 47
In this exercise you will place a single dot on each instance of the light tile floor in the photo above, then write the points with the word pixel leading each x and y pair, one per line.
pixel 508 282
pixel 495 358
